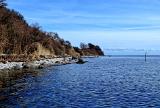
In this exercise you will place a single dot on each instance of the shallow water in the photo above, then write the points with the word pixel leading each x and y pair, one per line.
pixel 117 82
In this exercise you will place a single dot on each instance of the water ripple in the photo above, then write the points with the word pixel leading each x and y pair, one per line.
pixel 100 83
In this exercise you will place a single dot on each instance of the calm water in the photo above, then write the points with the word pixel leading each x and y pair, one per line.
pixel 116 82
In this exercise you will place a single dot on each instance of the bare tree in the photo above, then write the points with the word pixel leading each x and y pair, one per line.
pixel 3 3
pixel 83 45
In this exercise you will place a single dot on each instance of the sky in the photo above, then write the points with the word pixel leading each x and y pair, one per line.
pixel 112 24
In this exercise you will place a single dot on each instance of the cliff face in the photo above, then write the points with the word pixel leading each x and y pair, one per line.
pixel 38 49
pixel 17 37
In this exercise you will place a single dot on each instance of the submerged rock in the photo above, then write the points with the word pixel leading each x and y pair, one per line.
pixel 41 66
pixel 2 98
pixel 1 84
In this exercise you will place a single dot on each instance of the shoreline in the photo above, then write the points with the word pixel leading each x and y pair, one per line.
pixel 37 63
pixel 42 63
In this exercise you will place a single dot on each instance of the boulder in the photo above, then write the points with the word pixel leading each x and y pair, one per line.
pixel 80 61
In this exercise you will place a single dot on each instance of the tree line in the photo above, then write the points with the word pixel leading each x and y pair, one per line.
pixel 18 37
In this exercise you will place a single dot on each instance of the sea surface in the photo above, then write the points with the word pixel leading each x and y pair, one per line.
pixel 105 82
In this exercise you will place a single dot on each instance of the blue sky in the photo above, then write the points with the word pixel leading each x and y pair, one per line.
pixel 128 24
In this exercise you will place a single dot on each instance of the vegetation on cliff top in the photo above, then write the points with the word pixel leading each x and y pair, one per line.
pixel 19 38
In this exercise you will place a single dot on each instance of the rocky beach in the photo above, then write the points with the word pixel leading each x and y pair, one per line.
pixel 37 63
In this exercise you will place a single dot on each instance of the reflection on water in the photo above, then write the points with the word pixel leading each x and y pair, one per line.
pixel 116 82
pixel 12 82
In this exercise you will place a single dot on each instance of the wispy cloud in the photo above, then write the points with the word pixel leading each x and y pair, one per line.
pixel 113 20
pixel 80 14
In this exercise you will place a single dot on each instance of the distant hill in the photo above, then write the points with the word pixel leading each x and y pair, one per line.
pixel 19 38
pixel 89 50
